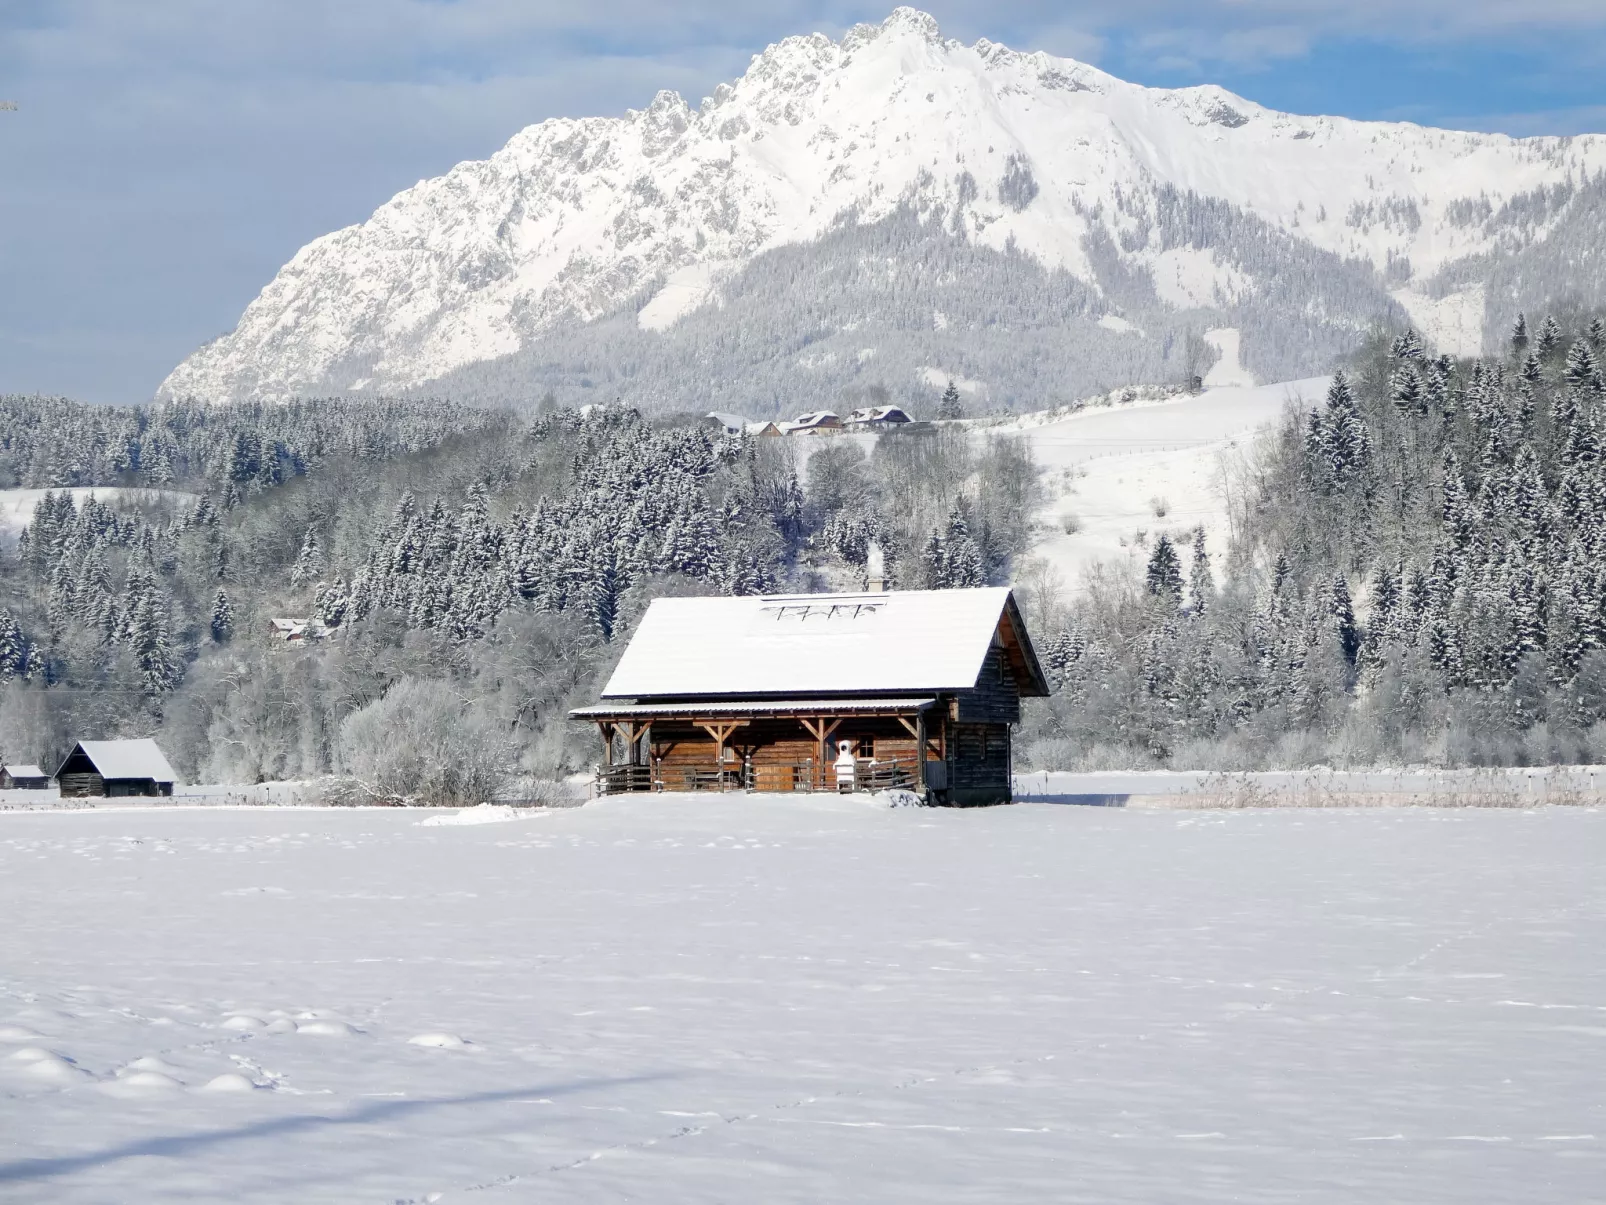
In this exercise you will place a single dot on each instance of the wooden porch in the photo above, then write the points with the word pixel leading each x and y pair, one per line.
pixel 781 746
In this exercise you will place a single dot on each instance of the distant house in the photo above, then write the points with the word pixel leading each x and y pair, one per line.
pixel 115 768
pixel 819 422
pixel 767 429
pixel 296 631
pixel 878 416
pixel 729 424
pixel 914 689
pixel 23 778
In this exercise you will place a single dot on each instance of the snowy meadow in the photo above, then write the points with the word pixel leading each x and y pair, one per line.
pixel 749 998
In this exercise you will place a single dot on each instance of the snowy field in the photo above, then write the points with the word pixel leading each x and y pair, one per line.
pixel 759 1000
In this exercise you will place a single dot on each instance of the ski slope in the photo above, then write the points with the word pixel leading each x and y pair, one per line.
pixel 675 999
pixel 1113 468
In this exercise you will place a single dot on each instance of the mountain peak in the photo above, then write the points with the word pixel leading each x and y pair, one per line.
pixel 938 208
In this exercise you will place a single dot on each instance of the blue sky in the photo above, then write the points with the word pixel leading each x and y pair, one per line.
pixel 167 156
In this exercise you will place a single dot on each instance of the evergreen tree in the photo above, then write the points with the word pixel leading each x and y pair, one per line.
pixel 1164 575
pixel 1342 613
pixel 309 561
pixel 1201 583
pixel 1519 336
pixel 1580 369
pixel 221 623
pixel 1549 342
pixel 13 648
pixel 950 407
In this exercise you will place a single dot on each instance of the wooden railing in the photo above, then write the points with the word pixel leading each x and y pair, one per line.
pixel 886 775
pixel 868 775
pixel 619 780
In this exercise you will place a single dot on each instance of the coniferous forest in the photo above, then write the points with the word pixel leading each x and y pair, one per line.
pixel 1416 574
pixel 465 576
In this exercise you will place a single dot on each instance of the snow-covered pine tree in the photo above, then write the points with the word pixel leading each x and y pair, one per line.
pixel 950 407
pixel 1580 369
pixel 308 565
pixel 1549 342
pixel 1163 577
pixel 1341 612
pixel 13 647
pixel 221 623
pixel 1201 582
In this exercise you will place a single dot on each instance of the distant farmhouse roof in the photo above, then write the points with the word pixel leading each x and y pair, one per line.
pixel 734 424
pixel 878 416
pixel 818 420
pixel 128 759
pixel 25 772
pixel 909 642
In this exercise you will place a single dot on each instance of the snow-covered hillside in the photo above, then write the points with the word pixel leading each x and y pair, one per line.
pixel 896 207
pixel 17 505
pixel 685 1000
pixel 1118 476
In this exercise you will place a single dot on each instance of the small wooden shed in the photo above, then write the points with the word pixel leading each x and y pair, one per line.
pixel 762 693
pixel 115 768
pixel 23 778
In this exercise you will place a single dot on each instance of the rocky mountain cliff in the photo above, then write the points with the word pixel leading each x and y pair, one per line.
pixel 893 210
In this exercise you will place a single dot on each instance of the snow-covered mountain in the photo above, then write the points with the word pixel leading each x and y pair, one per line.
pixel 896 209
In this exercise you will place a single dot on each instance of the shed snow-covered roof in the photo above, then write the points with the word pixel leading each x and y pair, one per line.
pixel 26 772
pixel 801 645
pixel 128 759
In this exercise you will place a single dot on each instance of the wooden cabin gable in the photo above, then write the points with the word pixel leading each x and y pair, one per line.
pixel 995 699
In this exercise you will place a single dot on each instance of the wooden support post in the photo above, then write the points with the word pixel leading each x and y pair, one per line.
pixel 821 732
pixel 606 729
pixel 920 753
pixel 720 731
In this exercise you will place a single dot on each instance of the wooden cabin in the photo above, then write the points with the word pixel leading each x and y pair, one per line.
pixel 23 778
pixel 115 768
pixel 763 693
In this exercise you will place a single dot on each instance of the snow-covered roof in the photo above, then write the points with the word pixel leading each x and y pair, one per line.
pixel 128 759
pixel 731 422
pixel 879 414
pixel 807 707
pixel 25 772
pixel 799 645
pixel 819 418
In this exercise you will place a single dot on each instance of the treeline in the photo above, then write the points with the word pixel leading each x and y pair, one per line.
pixel 227 450
pixel 1419 576
pixel 486 563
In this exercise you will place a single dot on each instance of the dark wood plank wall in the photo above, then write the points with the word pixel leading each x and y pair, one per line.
pixel 84 783
pixel 981 756
pixel 995 699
